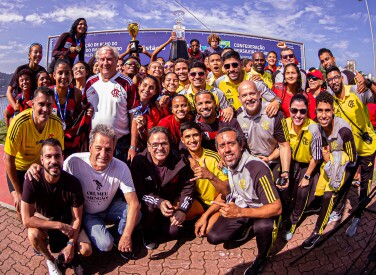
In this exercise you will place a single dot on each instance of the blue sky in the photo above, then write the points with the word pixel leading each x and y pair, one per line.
pixel 340 25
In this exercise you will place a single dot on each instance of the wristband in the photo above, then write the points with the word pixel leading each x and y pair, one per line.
pixel 133 148
pixel 284 172
pixel 71 243
pixel 368 83
pixel 307 177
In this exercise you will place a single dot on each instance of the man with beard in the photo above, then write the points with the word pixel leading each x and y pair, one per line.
pixel 252 198
pixel 210 181
pixel 339 154
pixel 162 181
pixel 258 69
pixel 351 106
pixel 287 57
pixel 235 74
pixel 181 69
pixel 101 176
pixel 215 65
pixel 57 196
pixel 24 139
pixel 263 133
pixel 197 77
pixel 112 95
pixel 208 119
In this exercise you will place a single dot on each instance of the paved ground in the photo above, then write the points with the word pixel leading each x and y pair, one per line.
pixel 192 255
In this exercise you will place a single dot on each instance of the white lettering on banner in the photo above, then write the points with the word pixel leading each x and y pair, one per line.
pixel 249 46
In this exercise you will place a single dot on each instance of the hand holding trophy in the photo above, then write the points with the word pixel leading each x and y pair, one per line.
pixel 179 47
pixel 133 28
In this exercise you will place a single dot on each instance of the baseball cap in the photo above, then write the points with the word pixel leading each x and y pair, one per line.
pixel 315 73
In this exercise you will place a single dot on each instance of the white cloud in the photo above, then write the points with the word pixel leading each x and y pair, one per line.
pixel 327 20
pixel 342 44
pixel 34 19
pixel 10 17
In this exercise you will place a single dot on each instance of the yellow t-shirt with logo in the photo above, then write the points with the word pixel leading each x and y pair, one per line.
pixel 204 188
pixel 358 114
pixel 23 140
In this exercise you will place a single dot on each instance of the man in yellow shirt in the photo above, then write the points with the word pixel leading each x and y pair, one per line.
pixel 215 65
pixel 235 74
pixel 210 181
pixel 24 139
pixel 351 106
pixel 258 69
pixel 181 69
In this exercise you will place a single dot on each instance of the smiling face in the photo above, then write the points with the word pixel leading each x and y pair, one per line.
pixel 197 77
pixel 42 108
pixel 168 67
pixel 229 149
pixel 324 114
pixel 250 97
pixel 81 27
pixel 327 60
pixel 158 147
pixel 180 108
pixel 291 75
pixel 287 57
pixel 24 82
pixel 181 69
pixel 107 63
pixel 258 60
pixel 334 80
pixel 298 112
pixel 171 82
pixel 35 54
pixel 63 75
pixel 192 138
pixel 131 67
pixel 43 80
pixel 79 71
pixel 233 68
pixel 52 160
pixel 146 89
pixel 101 152
pixel 272 59
pixel 205 106
pixel 155 69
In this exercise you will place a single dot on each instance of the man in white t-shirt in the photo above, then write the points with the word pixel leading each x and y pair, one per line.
pixel 112 95
pixel 101 175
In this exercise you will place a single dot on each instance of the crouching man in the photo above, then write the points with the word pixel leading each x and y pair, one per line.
pixel 57 197
pixel 251 201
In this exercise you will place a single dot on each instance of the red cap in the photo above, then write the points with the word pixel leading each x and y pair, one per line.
pixel 315 73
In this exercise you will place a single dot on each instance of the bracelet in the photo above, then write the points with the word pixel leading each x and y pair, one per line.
pixel 283 172
pixel 133 148
pixel 71 243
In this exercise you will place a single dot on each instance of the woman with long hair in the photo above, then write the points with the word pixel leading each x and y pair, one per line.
pixel 70 44
pixel 81 72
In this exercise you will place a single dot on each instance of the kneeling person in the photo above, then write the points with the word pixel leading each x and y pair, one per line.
pixel 57 196
pixel 252 198
pixel 101 175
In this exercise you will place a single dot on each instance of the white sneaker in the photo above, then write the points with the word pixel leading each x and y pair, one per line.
pixel 351 230
pixel 287 236
pixel 334 217
pixel 52 268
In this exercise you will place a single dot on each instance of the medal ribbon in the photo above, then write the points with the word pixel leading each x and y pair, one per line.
pixel 59 106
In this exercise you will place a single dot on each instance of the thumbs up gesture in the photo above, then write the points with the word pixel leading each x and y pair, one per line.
pixel 360 82
pixel 200 171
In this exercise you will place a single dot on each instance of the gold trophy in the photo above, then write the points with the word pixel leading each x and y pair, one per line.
pixel 133 28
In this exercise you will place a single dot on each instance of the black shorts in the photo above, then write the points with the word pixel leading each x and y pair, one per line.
pixel 21 178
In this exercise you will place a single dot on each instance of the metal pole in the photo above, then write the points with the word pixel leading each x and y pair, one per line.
pixel 373 39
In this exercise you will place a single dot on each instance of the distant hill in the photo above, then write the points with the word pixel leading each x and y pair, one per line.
pixel 4 81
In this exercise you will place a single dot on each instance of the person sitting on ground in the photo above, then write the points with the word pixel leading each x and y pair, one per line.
pixel 163 186
pixel 57 198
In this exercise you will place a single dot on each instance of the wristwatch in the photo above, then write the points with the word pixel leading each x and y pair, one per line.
pixel 71 243
pixel 307 177
pixel 368 83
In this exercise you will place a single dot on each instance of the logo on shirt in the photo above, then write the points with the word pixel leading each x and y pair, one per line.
pixel 305 141
pixel 351 104
pixel 265 125
pixel 148 178
pixel 242 184
pixel 334 145
pixel 115 93
pixel 99 185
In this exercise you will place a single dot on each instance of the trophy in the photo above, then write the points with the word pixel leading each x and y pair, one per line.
pixel 179 46
pixel 133 28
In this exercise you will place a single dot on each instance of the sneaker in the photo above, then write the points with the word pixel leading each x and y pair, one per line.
pixel 288 235
pixel 310 242
pixel 245 234
pixel 312 210
pixel 126 255
pixel 52 268
pixel 334 217
pixel 351 230
pixel 256 267
pixel 150 243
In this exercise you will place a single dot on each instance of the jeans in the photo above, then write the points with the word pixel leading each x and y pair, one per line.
pixel 95 224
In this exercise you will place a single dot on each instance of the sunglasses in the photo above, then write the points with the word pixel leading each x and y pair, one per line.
pixel 134 63
pixel 294 111
pixel 288 56
pixel 234 65
pixel 168 66
pixel 200 74
pixel 314 78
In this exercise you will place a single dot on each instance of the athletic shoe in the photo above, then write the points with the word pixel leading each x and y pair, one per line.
pixel 126 255
pixel 256 267
pixel 312 210
pixel 310 242
pixel 150 243
pixel 351 230
pixel 287 236
pixel 245 234
pixel 334 217
pixel 52 268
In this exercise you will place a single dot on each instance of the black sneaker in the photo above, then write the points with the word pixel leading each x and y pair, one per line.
pixel 256 267
pixel 312 210
pixel 126 255
pixel 310 242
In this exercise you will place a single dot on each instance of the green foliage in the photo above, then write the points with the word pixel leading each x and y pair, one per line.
pixel 3 132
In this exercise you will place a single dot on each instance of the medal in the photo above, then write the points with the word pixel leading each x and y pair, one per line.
pixel 78 48
pixel 62 116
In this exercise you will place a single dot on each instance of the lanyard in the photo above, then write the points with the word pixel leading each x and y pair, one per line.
pixel 140 109
pixel 58 104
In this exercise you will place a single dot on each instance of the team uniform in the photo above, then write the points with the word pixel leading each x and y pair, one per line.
pixel 263 133
pixel 220 99
pixel 230 89
pixel 24 141
pixel 353 109
pixel 305 146
pixel 99 189
pixel 278 77
pixel 13 81
pixel 266 77
pixel 169 122
pixel 252 186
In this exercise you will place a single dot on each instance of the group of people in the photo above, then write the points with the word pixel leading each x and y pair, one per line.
pixel 232 145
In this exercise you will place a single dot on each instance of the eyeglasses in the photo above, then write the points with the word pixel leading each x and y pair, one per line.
pixel 79 68
pixel 234 65
pixel 294 111
pixel 200 74
pixel 156 145
pixel 168 66
pixel 288 56
pixel 132 63
pixel 313 78
pixel 333 78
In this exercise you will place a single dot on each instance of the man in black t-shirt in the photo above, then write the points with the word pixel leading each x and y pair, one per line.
pixel 57 197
